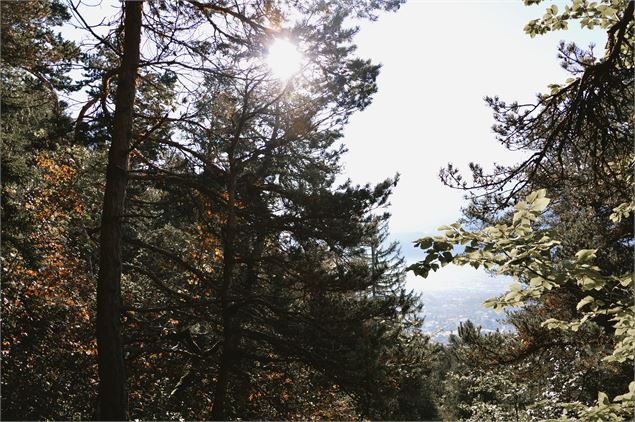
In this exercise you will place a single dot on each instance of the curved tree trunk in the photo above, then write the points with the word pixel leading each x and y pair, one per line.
pixel 113 400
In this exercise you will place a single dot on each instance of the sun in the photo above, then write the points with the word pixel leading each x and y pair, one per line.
pixel 284 59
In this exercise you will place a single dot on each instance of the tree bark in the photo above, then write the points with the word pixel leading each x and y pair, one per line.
pixel 230 335
pixel 231 326
pixel 113 400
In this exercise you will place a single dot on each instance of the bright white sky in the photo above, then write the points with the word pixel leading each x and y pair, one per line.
pixel 439 60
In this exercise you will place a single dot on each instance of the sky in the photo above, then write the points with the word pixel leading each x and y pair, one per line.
pixel 439 60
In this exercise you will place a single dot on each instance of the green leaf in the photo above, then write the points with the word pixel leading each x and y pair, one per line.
pixel 490 303
pixel 585 255
pixel 424 242
pixel 608 11
pixel 584 302
pixel 442 246
pixel 515 287
pixel 627 280
pixel 540 204
pixel 603 399
pixel 628 396
pixel 589 283
pixel 519 216
pixel 536 282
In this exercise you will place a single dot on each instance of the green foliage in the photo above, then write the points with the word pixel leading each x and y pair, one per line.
pixel 589 14
pixel 526 252
pixel 474 389
pixel 49 193
pixel 314 291
pixel 31 45
pixel 244 258
pixel 570 255
pixel 236 236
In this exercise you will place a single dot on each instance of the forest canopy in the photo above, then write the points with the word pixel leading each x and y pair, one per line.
pixel 180 241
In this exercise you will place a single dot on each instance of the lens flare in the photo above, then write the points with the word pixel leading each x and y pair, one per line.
pixel 284 59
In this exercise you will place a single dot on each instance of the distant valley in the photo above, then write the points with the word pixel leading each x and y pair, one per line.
pixel 444 310
pixel 453 295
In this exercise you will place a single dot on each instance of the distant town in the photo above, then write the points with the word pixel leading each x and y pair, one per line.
pixel 444 310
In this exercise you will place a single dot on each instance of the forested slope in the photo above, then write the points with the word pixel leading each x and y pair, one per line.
pixel 175 245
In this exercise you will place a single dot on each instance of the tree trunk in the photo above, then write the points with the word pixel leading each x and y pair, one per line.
pixel 230 335
pixel 113 400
